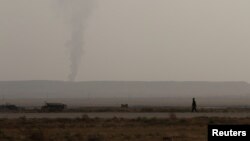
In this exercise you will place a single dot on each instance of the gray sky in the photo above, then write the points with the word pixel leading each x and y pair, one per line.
pixel 192 40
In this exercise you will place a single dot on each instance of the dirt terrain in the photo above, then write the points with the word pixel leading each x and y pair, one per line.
pixel 115 129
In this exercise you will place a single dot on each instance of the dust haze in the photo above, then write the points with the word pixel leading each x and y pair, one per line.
pixel 135 41
pixel 132 40
pixel 76 14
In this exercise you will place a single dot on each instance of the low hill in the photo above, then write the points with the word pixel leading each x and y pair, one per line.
pixel 131 89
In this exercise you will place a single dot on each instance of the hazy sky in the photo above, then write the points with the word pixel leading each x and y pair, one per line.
pixel 193 40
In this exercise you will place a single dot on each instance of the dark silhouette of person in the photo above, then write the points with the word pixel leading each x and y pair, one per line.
pixel 194 106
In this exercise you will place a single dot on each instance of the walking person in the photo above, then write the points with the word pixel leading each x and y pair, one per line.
pixel 194 106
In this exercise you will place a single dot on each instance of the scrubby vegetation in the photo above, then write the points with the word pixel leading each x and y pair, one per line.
pixel 133 109
pixel 115 129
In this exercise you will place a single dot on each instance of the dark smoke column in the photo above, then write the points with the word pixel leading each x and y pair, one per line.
pixel 76 13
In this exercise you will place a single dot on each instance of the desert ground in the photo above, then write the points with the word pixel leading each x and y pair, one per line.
pixel 135 123
pixel 111 129
pixel 125 115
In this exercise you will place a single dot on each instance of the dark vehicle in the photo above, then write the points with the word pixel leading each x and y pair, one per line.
pixel 124 106
pixel 53 107
pixel 9 107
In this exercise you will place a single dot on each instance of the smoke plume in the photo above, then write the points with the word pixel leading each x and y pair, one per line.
pixel 76 13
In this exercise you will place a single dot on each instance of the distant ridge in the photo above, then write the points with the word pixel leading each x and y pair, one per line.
pixel 65 89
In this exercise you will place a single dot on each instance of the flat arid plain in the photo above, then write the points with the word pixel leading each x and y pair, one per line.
pixel 122 70
pixel 151 111
pixel 117 124
pixel 85 128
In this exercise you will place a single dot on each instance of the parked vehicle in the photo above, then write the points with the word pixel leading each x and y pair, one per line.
pixel 53 107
